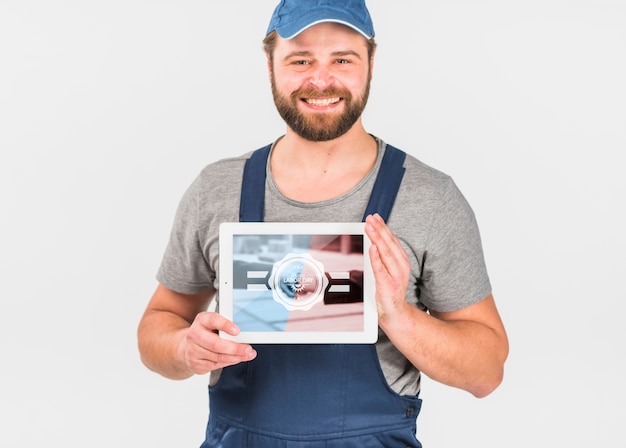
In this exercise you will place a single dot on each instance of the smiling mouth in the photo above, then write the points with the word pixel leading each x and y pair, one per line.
pixel 321 101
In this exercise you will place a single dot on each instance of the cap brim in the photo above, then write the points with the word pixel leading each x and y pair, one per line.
pixel 289 31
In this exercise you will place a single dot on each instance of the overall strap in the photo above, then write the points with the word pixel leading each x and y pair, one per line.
pixel 387 183
pixel 381 200
pixel 252 201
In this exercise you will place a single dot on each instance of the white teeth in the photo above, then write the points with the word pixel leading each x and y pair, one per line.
pixel 322 101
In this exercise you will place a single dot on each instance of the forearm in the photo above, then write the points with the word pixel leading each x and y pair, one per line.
pixel 460 353
pixel 465 348
pixel 160 336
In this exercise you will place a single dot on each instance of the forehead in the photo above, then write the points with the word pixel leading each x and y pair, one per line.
pixel 324 37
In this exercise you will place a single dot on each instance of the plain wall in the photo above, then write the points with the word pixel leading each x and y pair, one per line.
pixel 108 110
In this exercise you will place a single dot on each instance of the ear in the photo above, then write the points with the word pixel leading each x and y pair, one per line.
pixel 372 64
pixel 269 65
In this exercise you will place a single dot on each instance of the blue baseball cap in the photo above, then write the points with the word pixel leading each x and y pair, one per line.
pixel 291 17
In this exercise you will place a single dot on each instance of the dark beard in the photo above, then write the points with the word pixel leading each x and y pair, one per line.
pixel 319 127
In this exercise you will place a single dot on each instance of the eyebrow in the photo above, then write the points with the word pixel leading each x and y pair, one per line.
pixel 305 53
pixel 347 53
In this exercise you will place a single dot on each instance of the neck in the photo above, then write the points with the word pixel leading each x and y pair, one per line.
pixel 313 171
pixel 354 144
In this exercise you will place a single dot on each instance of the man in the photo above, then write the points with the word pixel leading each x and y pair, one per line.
pixel 436 313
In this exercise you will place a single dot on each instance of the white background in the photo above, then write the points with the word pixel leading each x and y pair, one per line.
pixel 108 110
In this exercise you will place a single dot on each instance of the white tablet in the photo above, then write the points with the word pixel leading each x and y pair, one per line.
pixel 298 283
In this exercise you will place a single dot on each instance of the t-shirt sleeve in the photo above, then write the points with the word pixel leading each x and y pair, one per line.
pixel 184 267
pixel 454 272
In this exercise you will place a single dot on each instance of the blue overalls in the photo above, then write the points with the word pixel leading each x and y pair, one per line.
pixel 311 395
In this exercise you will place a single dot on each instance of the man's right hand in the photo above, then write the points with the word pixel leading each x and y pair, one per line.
pixel 203 350
pixel 178 338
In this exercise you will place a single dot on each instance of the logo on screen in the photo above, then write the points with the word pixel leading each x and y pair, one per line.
pixel 298 282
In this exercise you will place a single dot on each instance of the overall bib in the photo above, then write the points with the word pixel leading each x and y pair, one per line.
pixel 311 395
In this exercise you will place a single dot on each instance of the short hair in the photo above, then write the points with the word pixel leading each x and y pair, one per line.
pixel 269 43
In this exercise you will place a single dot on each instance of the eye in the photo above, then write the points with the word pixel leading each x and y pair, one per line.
pixel 343 61
pixel 301 62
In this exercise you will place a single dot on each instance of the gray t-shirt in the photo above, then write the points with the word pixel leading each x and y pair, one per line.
pixel 430 217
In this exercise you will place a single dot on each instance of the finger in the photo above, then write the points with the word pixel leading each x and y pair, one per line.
pixel 220 353
pixel 215 322
pixel 389 251
pixel 205 335
pixel 206 350
pixel 378 267
pixel 378 232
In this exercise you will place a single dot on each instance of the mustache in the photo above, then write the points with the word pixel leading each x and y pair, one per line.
pixel 315 93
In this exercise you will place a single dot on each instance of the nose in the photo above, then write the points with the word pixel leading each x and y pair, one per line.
pixel 321 78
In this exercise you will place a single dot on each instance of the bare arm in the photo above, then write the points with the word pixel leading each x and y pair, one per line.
pixel 177 337
pixel 466 348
